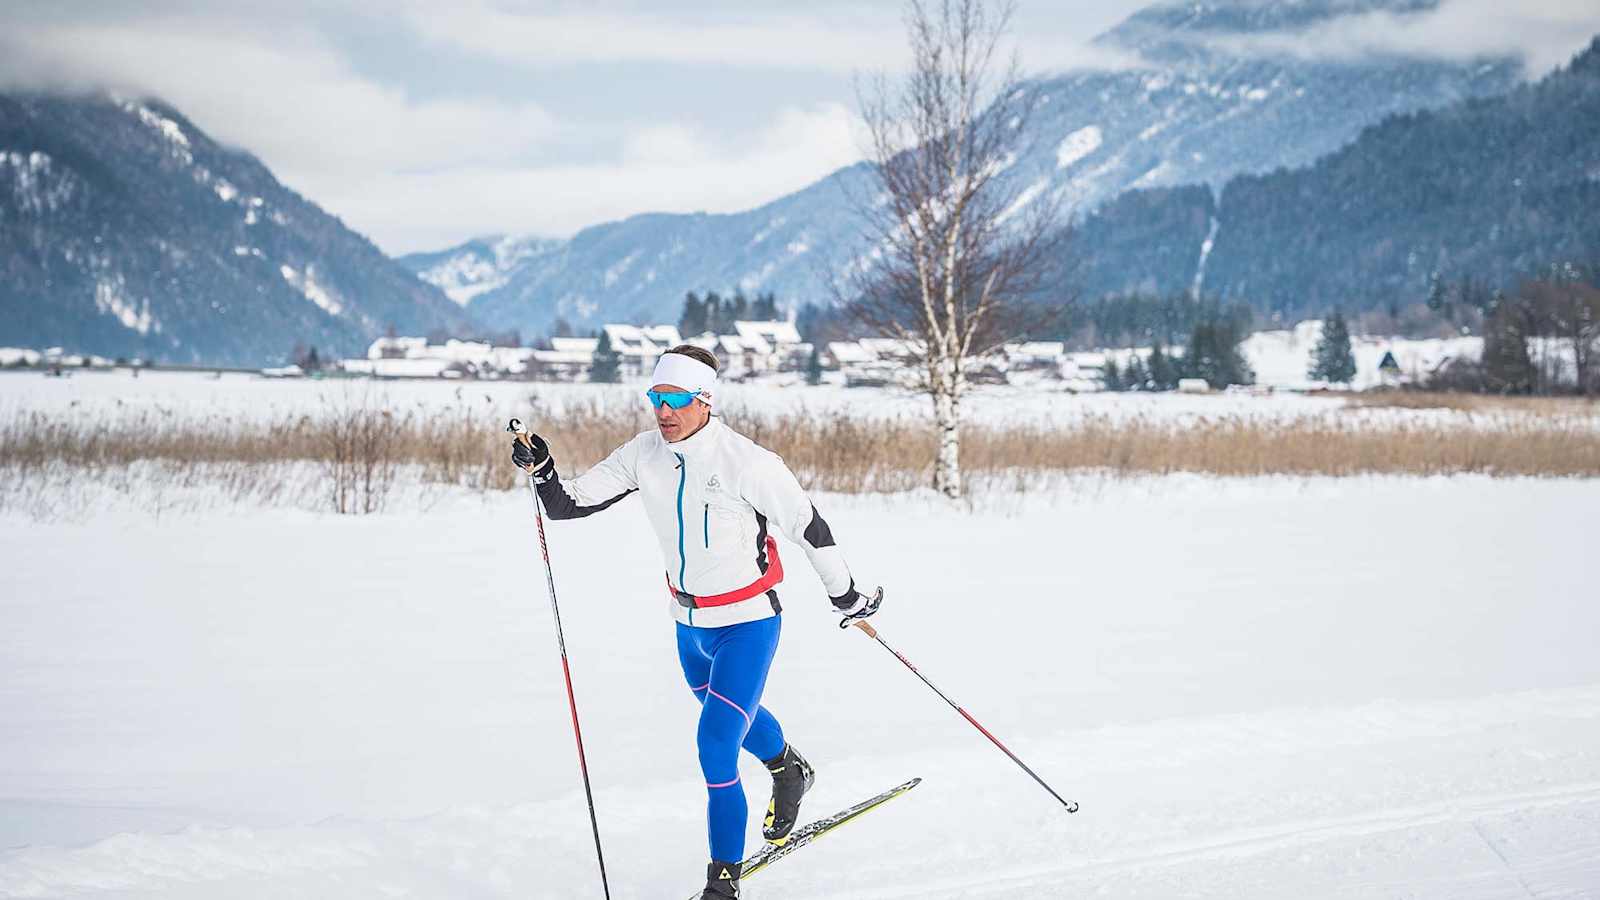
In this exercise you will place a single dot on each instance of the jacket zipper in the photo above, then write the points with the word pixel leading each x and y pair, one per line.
pixel 707 526
pixel 683 558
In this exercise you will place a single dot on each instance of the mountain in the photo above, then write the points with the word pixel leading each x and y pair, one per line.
pixel 1492 189
pixel 126 231
pixel 1198 111
pixel 481 264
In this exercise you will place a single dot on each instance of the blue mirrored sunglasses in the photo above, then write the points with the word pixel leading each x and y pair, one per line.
pixel 673 399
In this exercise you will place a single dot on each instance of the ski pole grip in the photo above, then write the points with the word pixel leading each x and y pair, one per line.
pixel 867 629
pixel 516 428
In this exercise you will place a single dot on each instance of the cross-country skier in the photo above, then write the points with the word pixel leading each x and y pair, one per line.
pixel 712 495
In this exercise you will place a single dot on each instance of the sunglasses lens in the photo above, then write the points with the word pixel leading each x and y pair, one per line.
pixel 673 399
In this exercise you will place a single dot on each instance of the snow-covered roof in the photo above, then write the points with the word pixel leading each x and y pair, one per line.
pixel 850 352
pixel 564 357
pixel 398 368
pixel 889 347
pixel 461 351
pixel 396 346
pixel 665 335
pixel 574 344
pixel 631 340
pixel 741 343
pixel 1037 349
pixel 773 332
pixel 623 337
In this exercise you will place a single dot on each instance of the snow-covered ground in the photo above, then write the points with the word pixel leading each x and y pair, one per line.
pixel 1267 688
pixel 232 397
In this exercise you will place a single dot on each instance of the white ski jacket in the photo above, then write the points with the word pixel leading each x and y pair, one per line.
pixel 711 498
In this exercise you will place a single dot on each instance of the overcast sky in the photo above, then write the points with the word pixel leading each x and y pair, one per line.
pixel 422 124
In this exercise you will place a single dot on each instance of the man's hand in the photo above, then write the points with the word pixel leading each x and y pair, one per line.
pixel 855 606
pixel 533 457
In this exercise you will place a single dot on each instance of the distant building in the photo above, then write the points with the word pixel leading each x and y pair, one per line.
pixel 1389 370
pixel 414 357
pixel 397 348
pixel 568 359
pixel 639 346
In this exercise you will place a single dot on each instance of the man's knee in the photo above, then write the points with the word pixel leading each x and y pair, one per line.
pixel 719 737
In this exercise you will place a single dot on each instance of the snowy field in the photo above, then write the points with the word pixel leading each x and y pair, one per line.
pixel 1264 688
pixel 175 396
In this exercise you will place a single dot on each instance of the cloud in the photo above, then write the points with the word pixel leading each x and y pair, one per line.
pixel 664 169
pixel 285 95
pixel 839 39
pixel 421 125
pixel 1543 33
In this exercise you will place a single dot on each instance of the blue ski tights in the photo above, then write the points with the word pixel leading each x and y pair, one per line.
pixel 727 670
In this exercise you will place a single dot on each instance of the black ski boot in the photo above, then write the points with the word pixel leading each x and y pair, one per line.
pixel 792 776
pixel 722 881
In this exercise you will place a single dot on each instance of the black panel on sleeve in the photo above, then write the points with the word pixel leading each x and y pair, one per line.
pixel 817 533
pixel 560 505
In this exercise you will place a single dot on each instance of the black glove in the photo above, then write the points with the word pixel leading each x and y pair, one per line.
pixel 855 606
pixel 534 457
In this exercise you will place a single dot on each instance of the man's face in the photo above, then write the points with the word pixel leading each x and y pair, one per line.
pixel 677 424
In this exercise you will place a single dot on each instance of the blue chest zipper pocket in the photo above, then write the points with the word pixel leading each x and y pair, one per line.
pixel 706 527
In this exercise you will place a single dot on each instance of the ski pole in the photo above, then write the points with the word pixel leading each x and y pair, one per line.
pixel 566 670
pixel 871 632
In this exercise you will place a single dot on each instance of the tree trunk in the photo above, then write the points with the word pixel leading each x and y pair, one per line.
pixel 947 418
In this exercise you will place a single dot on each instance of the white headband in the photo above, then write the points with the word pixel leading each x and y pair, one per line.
pixel 690 374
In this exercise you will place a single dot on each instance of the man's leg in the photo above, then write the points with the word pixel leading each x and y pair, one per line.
pixel 740 658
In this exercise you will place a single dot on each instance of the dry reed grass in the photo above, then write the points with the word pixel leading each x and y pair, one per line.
pixel 1475 403
pixel 358 451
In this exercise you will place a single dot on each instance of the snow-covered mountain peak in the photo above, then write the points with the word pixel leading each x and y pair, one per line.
pixel 1198 113
pixel 478 265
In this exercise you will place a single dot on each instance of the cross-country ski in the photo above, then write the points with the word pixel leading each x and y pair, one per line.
pixel 813 831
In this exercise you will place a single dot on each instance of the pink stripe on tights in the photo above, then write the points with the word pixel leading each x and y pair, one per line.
pixel 747 719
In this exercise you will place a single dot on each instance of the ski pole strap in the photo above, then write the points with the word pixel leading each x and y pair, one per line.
pixel 768 580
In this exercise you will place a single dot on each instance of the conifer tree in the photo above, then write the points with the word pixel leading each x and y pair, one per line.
pixel 1110 375
pixel 693 319
pixel 814 367
pixel 606 368
pixel 1331 359
pixel 1163 374
pixel 1135 377
pixel 1507 366
pixel 1214 355
pixel 715 314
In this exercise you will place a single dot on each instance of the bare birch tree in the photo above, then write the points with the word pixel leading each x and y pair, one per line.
pixel 957 249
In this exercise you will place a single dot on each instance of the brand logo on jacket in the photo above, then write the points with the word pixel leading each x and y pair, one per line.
pixel 714 484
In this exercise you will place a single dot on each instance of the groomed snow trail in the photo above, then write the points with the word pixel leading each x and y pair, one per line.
pixel 1360 688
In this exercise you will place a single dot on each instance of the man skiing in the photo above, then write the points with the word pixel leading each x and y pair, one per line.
pixel 711 495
